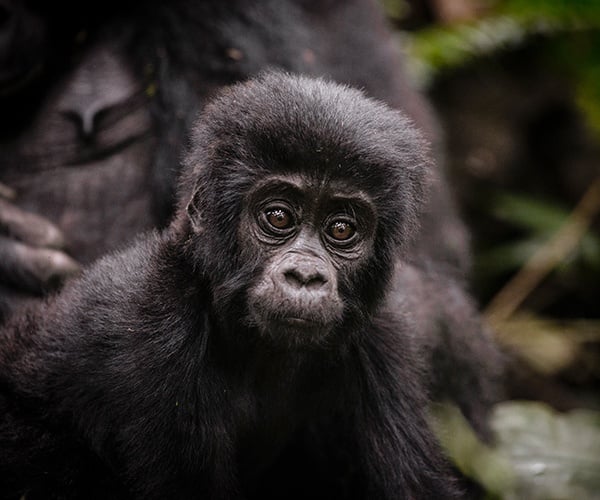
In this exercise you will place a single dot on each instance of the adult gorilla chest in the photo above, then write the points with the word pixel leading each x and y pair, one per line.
pixel 84 162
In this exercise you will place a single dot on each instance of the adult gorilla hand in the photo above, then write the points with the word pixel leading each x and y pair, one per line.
pixel 31 259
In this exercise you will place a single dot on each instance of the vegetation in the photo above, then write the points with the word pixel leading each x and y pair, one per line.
pixel 517 84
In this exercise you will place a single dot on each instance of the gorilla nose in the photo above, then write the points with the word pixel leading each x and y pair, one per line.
pixel 305 275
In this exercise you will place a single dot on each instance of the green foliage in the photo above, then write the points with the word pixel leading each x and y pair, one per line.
pixel 395 9
pixel 538 216
pixel 554 456
pixel 472 457
pixel 579 56
pixel 443 47
pixel 539 220
pixel 538 454
pixel 507 25
pixel 567 13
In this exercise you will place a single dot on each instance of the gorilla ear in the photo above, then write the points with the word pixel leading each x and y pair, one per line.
pixel 194 213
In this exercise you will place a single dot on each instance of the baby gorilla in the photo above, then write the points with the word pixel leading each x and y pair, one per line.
pixel 189 365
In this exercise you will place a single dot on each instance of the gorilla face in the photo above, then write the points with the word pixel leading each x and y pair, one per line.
pixel 310 235
pixel 303 197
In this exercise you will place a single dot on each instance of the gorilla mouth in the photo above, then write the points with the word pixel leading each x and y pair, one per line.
pixel 298 322
pixel 298 325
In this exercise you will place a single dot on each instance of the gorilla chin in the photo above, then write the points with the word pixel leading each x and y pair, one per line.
pixel 294 327
pixel 296 330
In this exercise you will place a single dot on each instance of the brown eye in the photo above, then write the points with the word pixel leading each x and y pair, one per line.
pixel 341 230
pixel 279 218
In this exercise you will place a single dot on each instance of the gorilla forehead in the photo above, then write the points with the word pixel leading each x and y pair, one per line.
pixel 296 118
pixel 283 123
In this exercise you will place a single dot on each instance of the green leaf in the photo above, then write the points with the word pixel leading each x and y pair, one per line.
pixel 554 456
pixel 508 25
pixel 539 454
pixel 505 258
pixel 471 456
pixel 541 217
pixel 575 12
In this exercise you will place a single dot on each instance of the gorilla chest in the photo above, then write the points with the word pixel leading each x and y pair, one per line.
pixel 270 417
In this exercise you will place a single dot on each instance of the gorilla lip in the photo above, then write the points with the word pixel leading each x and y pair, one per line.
pixel 303 327
pixel 297 321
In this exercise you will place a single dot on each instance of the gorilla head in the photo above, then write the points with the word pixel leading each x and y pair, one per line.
pixel 305 195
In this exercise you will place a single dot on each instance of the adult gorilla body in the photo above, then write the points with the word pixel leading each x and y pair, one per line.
pixel 93 142
pixel 187 364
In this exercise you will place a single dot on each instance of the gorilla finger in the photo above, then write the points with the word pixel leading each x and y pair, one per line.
pixel 28 227
pixel 35 270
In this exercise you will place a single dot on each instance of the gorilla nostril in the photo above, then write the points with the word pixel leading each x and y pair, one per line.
pixel 310 280
pixel 316 282
pixel 293 279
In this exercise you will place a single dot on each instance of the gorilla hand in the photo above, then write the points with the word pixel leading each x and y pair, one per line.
pixel 31 259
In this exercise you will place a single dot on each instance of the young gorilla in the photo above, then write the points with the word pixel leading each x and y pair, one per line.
pixel 185 366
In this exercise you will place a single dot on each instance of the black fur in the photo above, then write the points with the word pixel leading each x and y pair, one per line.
pixel 103 189
pixel 175 55
pixel 144 378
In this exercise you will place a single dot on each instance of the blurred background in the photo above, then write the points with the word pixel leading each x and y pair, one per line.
pixel 516 84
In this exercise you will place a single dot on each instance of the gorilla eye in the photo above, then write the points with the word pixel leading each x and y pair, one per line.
pixel 341 230
pixel 279 218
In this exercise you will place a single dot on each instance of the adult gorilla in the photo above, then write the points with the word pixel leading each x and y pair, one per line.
pixel 96 105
